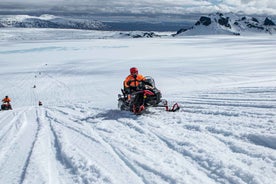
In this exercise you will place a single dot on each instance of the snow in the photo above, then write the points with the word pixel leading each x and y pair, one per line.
pixel 225 131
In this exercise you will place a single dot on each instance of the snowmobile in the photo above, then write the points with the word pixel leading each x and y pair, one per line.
pixel 6 106
pixel 147 95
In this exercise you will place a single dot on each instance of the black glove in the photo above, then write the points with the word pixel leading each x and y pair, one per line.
pixel 127 90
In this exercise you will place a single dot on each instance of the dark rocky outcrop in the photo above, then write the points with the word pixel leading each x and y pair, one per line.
pixel 268 22
pixel 224 21
pixel 140 35
pixel 206 21
pixel 181 31
pixel 254 19
pixel 255 26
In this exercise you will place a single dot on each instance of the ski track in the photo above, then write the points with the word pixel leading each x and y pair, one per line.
pixel 23 174
pixel 122 137
pixel 10 160
pixel 135 165
pixel 98 173
pixel 219 134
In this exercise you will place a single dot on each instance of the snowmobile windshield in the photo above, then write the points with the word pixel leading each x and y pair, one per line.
pixel 150 81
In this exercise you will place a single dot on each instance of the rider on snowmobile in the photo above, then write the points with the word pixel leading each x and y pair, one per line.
pixel 140 92
pixel 6 103
pixel 132 81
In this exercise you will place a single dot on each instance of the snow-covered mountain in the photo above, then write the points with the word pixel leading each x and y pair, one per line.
pixel 49 21
pixel 229 24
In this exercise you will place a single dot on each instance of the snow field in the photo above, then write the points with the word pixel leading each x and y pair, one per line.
pixel 224 132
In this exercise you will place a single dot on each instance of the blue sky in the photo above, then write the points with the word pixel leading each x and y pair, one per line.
pixel 143 6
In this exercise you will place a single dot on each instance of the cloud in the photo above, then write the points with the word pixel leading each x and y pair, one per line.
pixel 252 6
pixel 142 6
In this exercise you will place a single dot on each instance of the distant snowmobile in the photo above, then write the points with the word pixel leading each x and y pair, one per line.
pixel 39 103
pixel 6 103
pixel 6 106
pixel 146 96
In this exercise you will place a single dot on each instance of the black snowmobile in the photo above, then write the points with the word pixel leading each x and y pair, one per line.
pixel 6 106
pixel 147 95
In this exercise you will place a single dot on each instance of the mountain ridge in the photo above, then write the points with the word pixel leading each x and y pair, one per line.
pixel 229 23
pixel 49 21
pixel 212 24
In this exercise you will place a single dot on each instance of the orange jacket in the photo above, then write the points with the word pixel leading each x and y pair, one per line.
pixel 6 100
pixel 130 81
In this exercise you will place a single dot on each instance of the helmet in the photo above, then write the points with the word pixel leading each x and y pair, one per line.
pixel 133 71
pixel 7 97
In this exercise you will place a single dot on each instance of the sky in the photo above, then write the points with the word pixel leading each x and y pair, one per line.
pixel 141 6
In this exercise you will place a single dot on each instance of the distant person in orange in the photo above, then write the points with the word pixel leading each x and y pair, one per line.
pixel 6 100
pixel 132 81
